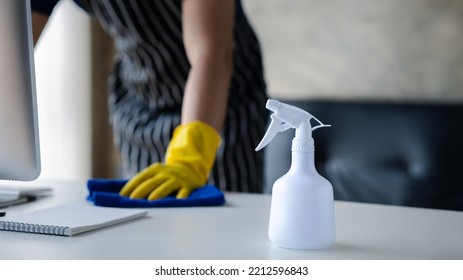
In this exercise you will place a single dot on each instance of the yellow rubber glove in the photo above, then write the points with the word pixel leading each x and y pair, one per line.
pixel 189 159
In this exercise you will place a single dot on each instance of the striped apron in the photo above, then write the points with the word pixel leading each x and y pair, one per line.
pixel 147 84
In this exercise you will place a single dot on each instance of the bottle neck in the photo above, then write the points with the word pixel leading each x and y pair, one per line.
pixel 302 155
pixel 304 145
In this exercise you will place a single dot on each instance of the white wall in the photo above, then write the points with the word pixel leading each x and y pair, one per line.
pixel 63 88
pixel 386 49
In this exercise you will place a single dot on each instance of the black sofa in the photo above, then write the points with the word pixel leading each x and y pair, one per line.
pixel 382 152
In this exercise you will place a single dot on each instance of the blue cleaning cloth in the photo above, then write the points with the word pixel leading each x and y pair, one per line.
pixel 105 192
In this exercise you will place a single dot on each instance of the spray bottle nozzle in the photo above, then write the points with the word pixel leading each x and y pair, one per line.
pixel 286 116
pixel 273 105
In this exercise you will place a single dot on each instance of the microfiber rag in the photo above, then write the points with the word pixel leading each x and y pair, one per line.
pixel 105 192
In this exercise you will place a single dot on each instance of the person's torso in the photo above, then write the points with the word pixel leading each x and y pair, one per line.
pixel 150 52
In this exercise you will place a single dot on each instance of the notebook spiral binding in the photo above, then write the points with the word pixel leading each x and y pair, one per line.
pixel 33 228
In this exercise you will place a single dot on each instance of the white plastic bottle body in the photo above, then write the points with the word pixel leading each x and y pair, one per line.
pixel 302 212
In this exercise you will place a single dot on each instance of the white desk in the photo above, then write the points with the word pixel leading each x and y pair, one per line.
pixel 238 230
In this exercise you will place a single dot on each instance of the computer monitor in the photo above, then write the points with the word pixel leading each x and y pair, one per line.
pixel 19 138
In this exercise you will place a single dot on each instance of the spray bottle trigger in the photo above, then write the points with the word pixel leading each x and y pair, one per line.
pixel 276 125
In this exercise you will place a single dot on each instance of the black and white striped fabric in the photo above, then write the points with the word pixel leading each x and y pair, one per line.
pixel 146 90
pixel 148 82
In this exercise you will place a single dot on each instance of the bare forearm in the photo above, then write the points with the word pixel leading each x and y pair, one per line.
pixel 206 92
pixel 208 37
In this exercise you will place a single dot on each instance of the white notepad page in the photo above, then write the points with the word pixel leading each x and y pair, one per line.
pixel 69 219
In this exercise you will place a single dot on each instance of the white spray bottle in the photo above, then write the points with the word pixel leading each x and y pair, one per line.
pixel 302 210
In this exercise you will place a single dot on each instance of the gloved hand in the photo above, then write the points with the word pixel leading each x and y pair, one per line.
pixel 189 159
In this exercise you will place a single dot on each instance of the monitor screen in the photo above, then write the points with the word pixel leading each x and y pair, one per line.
pixel 19 139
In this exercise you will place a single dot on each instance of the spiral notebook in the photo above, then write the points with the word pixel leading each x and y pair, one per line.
pixel 69 219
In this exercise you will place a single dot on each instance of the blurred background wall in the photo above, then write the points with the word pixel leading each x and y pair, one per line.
pixel 63 63
pixel 73 60
pixel 344 49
